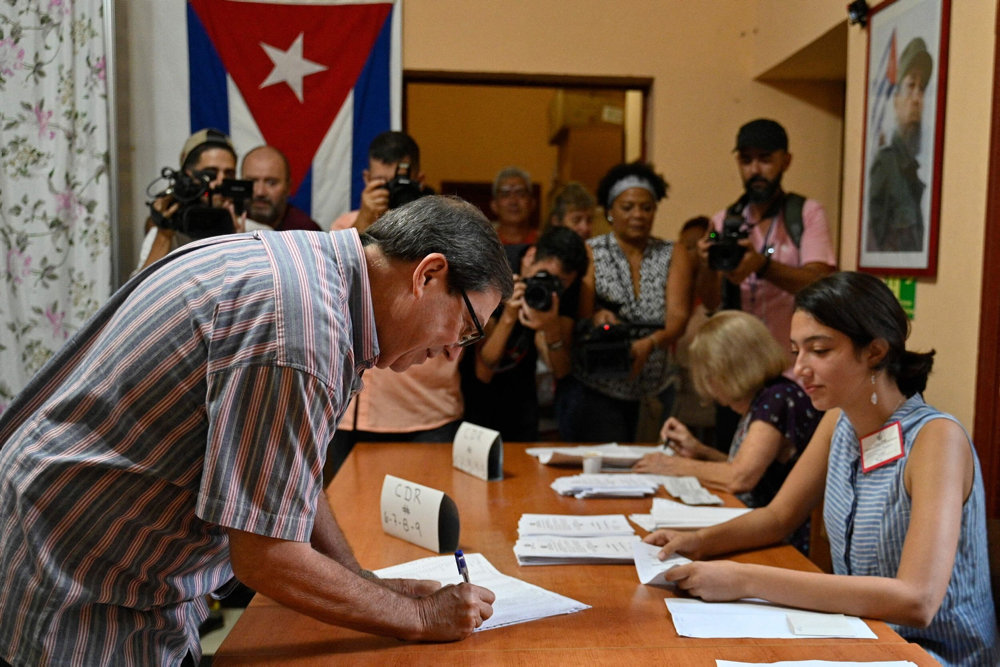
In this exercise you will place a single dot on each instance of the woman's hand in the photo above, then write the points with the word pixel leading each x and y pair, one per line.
pixel 712 581
pixel 686 543
pixel 660 464
pixel 640 351
pixel 677 436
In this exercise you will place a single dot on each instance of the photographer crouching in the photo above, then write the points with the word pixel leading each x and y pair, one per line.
pixel 536 322
pixel 201 199
pixel 635 282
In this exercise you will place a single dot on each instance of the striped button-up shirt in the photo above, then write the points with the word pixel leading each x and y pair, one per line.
pixel 201 397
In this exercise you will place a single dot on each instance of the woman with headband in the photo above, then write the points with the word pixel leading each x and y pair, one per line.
pixel 634 278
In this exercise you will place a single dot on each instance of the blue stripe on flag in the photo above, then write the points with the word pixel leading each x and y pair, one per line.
pixel 371 106
pixel 209 97
pixel 302 198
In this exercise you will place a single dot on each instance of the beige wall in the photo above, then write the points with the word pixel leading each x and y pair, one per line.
pixel 470 130
pixel 704 66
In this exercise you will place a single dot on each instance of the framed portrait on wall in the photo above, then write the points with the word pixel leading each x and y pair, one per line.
pixel 903 137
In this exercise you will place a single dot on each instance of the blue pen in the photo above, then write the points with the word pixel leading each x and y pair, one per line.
pixel 463 569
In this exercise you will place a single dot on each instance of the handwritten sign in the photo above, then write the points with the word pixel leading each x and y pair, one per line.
pixel 419 514
pixel 478 451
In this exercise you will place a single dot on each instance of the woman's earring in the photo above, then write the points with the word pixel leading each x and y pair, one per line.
pixel 874 395
pixel 609 219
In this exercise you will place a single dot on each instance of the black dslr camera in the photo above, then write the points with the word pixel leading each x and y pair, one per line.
pixel 538 290
pixel 726 252
pixel 195 215
pixel 403 189
pixel 604 351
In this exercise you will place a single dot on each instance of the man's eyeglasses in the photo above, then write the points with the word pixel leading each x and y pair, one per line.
pixel 468 339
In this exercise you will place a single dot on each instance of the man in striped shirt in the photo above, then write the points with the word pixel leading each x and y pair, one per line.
pixel 179 438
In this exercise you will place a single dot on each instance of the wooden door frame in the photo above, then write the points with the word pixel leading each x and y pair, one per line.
pixel 986 430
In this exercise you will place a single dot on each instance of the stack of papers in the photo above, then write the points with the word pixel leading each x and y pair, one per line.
pixel 560 539
pixel 689 490
pixel 670 514
pixel 602 486
pixel 757 618
pixel 612 454
pixel 516 601
pixel 574 525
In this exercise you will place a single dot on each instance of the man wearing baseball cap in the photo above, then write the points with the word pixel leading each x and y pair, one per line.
pixel 209 152
pixel 784 240
pixel 895 191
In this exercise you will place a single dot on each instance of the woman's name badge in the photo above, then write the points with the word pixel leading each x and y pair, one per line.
pixel 883 446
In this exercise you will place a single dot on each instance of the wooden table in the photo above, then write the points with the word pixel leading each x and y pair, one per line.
pixel 628 622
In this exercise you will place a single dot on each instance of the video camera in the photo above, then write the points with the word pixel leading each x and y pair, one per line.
pixel 726 252
pixel 403 189
pixel 605 350
pixel 538 290
pixel 195 215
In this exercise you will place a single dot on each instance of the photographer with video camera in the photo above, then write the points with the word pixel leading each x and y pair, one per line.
pixel 393 178
pixel 201 199
pixel 536 322
pixel 636 299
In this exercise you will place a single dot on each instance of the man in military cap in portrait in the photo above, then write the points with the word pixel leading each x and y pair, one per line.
pixel 895 191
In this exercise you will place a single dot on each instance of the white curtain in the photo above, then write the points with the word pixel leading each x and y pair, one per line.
pixel 55 195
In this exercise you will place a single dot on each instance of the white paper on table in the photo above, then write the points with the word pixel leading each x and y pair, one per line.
pixel 689 490
pixel 574 525
pixel 746 618
pixel 644 521
pixel 517 601
pixel 650 568
pixel 630 485
pixel 551 550
pixel 817 663
pixel 612 454
pixel 670 514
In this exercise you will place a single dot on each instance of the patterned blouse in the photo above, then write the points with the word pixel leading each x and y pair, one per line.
pixel 613 286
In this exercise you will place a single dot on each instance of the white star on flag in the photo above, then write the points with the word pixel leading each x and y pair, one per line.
pixel 289 66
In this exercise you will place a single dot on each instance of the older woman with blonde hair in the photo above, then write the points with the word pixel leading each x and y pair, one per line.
pixel 736 362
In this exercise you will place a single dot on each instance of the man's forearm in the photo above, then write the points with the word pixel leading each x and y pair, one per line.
pixel 327 537
pixel 794 278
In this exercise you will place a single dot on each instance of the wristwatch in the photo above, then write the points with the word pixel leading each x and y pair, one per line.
pixel 767 263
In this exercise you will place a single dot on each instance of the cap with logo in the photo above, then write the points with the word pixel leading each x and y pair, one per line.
pixel 206 136
pixel 763 134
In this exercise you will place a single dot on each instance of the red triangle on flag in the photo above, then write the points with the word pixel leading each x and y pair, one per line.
pixel 335 39
pixel 890 68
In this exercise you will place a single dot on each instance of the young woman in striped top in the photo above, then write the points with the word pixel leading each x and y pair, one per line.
pixel 901 485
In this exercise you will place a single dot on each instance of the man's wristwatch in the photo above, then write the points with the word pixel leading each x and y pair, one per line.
pixel 767 263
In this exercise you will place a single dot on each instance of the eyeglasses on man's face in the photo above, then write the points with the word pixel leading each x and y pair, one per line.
pixel 470 337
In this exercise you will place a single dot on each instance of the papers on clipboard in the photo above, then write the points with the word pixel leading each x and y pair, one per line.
pixel 612 454
pixel 516 601
pixel 757 618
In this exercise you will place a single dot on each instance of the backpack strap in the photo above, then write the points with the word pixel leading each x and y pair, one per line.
pixel 793 217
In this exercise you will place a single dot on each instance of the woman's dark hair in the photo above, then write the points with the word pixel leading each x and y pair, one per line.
pixel 618 172
pixel 862 307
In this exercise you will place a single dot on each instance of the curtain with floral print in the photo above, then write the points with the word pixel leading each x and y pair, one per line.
pixel 55 195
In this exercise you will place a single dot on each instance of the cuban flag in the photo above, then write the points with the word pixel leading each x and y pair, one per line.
pixel 318 80
pixel 883 87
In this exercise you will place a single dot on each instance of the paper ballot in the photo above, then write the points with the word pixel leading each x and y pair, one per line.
pixel 516 601
pixel 650 568
pixel 612 454
pixel 670 514
pixel 756 618
pixel 552 550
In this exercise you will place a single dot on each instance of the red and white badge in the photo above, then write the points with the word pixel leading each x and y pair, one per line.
pixel 883 446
